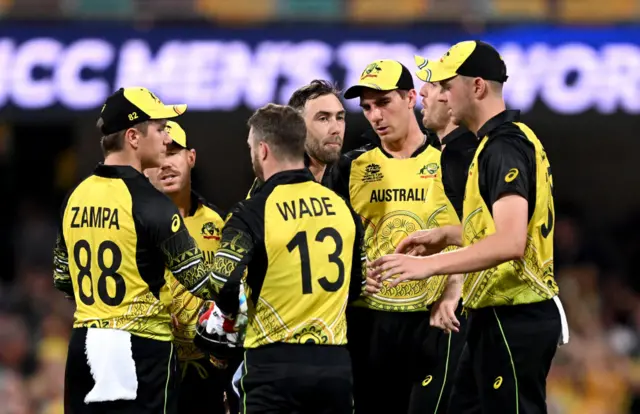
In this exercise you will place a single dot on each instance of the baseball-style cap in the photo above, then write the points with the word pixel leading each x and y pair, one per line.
pixel 131 106
pixel 382 75
pixel 473 58
pixel 176 133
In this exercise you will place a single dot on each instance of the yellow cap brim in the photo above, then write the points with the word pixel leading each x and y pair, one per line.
pixel 432 70
pixel 178 141
pixel 177 134
pixel 165 111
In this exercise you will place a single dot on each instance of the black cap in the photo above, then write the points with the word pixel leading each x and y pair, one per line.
pixel 472 58
pixel 131 106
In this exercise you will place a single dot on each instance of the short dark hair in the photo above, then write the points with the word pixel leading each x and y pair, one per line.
pixel 282 127
pixel 315 89
pixel 115 142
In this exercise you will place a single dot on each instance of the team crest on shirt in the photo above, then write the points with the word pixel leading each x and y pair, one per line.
pixel 370 71
pixel 372 173
pixel 210 231
pixel 429 170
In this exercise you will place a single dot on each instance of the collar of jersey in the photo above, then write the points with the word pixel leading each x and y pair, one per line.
pixel 196 200
pixel 116 171
pixel 375 140
pixel 289 177
pixel 502 118
pixel 455 134
pixel 327 170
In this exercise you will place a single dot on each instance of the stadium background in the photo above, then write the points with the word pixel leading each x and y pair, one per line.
pixel 574 69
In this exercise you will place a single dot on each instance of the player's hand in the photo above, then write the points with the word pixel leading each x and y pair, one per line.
pixel 402 267
pixel 423 242
pixel 174 322
pixel 214 321
pixel 372 286
pixel 443 311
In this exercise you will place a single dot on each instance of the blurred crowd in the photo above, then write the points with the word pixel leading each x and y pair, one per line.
pixel 324 10
pixel 597 373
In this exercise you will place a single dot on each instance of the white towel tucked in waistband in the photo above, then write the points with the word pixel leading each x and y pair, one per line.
pixel 564 335
pixel 110 358
pixel 235 382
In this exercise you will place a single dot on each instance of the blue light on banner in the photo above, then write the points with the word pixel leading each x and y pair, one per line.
pixel 567 70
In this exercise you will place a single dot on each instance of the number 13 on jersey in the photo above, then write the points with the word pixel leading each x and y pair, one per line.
pixel 302 243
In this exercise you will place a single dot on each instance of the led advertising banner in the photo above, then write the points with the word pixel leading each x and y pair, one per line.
pixel 74 67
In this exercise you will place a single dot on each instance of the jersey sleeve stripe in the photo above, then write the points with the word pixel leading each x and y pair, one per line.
pixel 188 265
pixel 228 255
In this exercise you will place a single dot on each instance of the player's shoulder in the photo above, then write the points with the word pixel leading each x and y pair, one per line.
pixel 432 153
pixel 507 138
pixel 251 209
pixel 317 190
pixel 86 181
pixel 505 130
pixel 343 165
pixel 144 193
pixel 150 207
pixel 255 186
pixel 210 210
pixel 354 154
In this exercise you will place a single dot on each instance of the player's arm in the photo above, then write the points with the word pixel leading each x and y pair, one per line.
pixel 508 168
pixel 185 261
pixel 508 194
pixel 236 249
pixel 61 276
pixel 358 268
pixel 181 254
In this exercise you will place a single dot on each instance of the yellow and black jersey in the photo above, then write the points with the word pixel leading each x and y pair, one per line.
pixel 300 244
pixel 204 222
pixel 510 160
pixel 390 196
pixel 446 192
pixel 117 236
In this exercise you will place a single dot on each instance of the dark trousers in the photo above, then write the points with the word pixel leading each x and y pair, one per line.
pixel 203 383
pixel 385 348
pixel 292 378
pixel 504 366
pixel 438 366
pixel 156 372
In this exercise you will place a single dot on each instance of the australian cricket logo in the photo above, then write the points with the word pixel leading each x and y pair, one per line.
pixel 429 170
pixel 371 71
pixel 210 231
